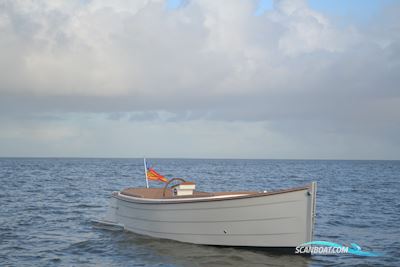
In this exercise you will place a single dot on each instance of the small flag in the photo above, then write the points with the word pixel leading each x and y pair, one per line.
pixel 155 176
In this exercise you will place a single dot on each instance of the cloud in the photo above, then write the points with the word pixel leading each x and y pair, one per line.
pixel 206 60
pixel 114 49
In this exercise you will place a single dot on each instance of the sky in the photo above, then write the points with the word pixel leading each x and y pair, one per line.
pixel 282 79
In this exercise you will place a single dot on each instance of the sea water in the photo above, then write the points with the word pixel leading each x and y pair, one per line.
pixel 46 207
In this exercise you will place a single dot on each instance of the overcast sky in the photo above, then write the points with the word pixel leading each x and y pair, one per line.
pixel 201 79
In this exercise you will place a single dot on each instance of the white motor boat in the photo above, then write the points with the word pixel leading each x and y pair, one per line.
pixel 277 219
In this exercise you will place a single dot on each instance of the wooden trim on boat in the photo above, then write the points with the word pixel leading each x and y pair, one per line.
pixel 199 196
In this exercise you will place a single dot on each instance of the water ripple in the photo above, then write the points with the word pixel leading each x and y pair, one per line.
pixel 47 204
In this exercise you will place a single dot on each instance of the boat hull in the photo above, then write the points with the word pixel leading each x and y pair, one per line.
pixel 264 220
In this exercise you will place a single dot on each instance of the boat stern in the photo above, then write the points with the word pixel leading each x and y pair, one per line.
pixel 311 211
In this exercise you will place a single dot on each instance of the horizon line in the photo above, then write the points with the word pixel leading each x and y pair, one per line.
pixel 187 158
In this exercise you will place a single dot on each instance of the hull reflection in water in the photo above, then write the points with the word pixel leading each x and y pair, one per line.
pixel 175 253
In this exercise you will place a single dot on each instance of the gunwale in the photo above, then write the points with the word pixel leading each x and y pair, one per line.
pixel 154 195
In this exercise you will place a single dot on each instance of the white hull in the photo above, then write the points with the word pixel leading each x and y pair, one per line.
pixel 278 219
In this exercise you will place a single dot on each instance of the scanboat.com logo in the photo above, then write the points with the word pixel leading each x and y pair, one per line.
pixel 329 248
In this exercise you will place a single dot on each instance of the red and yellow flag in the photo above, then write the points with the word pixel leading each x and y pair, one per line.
pixel 155 176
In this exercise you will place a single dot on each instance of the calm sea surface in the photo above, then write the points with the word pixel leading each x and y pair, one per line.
pixel 46 206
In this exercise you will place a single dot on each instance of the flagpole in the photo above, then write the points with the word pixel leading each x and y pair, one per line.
pixel 145 172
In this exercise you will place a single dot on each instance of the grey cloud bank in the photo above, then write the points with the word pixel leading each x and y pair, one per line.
pixel 307 86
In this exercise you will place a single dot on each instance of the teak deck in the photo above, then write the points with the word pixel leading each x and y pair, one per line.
pixel 157 193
